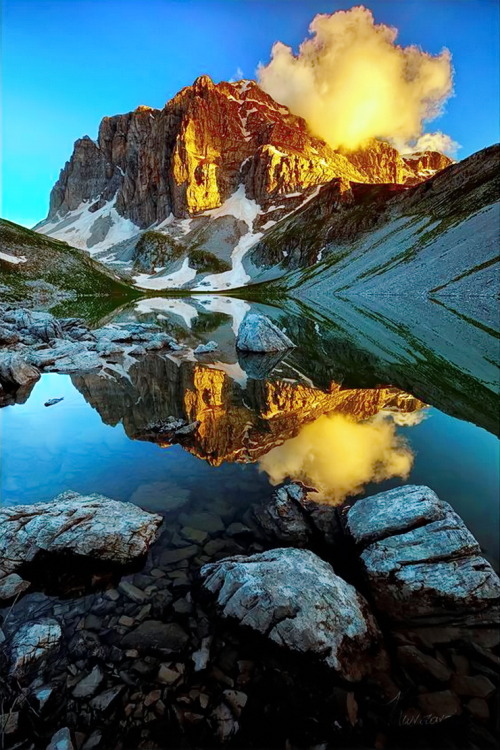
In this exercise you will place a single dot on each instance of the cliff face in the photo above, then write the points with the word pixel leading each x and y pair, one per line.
pixel 439 237
pixel 382 163
pixel 213 171
pixel 193 154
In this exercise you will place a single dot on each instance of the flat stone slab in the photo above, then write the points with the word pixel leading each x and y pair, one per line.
pixel 421 561
pixel 89 525
pixel 294 598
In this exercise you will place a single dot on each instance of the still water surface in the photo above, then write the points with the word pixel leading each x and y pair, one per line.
pixel 86 443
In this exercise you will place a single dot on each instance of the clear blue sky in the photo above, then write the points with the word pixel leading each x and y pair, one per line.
pixel 68 63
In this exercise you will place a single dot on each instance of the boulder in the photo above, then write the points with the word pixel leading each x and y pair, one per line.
pixel 33 644
pixel 210 346
pixel 259 334
pixel 420 560
pixel 88 525
pixel 295 599
pixel 15 372
pixel 37 326
pixel 291 516
pixel 283 517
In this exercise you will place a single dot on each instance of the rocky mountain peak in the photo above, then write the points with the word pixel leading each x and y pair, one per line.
pixel 210 144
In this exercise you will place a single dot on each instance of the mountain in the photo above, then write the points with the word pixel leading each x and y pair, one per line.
pixel 438 238
pixel 177 196
pixel 45 271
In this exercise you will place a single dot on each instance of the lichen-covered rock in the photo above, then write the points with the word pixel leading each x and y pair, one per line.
pixel 295 599
pixel 259 334
pixel 33 644
pixel 420 559
pixel 88 525
pixel 15 372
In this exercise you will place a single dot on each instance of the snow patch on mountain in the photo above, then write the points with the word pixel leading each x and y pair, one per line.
pixel 173 280
pixel 93 231
pixel 15 259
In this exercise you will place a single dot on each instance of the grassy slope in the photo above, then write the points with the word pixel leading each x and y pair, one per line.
pixel 53 262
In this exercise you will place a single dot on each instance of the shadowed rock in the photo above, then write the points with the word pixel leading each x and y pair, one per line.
pixel 15 372
pixel 258 366
pixel 295 599
pixel 93 526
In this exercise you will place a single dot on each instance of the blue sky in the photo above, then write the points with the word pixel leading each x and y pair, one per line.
pixel 68 63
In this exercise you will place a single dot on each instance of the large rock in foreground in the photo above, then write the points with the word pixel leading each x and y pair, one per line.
pixel 88 525
pixel 259 334
pixel 295 599
pixel 420 559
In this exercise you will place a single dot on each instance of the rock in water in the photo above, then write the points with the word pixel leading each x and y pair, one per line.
pixel 259 334
pixel 15 372
pixel 420 559
pixel 88 525
pixel 53 401
pixel 295 599
pixel 61 740
pixel 210 346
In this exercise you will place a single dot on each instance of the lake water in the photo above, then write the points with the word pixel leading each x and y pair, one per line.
pixel 327 414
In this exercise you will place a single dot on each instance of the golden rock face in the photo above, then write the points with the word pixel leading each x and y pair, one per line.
pixel 273 411
pixel 210 138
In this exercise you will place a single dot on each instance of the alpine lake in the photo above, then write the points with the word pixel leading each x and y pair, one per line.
pixel 366 402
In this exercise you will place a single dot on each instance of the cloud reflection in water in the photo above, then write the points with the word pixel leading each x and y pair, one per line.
pixel 339 456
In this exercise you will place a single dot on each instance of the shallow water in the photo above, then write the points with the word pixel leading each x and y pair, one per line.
pixel 257 428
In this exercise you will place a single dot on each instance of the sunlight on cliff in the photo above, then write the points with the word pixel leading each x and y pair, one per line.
pixel 351 82
pixel 338 456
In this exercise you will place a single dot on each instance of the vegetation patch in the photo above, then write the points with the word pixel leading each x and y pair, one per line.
pixel 206 262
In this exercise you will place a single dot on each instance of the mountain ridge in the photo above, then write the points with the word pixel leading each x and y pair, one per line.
pixel 174 170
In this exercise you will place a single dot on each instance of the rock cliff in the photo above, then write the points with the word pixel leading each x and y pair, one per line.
pixel 226 154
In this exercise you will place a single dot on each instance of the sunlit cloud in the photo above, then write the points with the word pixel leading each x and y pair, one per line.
pixel 436 142
pixel 351 81
pixel 339 456
pixel 405 418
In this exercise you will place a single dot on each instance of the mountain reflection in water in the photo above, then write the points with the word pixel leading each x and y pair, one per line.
pixel 243 423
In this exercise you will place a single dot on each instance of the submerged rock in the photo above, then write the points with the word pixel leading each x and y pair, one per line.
pixel 420 559
pixel 88 525
pixel 61 740
pixel 295 599
pixel 259 334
